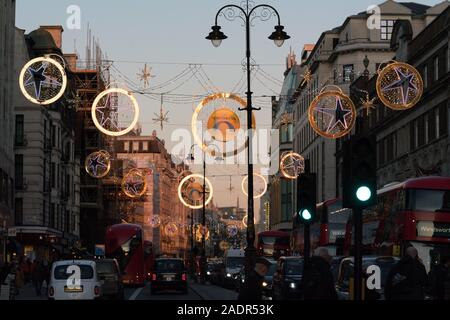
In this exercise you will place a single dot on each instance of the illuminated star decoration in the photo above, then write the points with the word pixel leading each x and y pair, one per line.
pixel 368 104
pixel 404 83
pixel 108 113
pixel 307 77
pixel 145 75
pixel 161 117
pixel 95 163
pixel 39 79
pixel 297 166
pixel 338 116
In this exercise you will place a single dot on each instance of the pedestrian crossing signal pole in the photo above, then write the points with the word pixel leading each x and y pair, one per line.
pixel 306 206
pixel 359 192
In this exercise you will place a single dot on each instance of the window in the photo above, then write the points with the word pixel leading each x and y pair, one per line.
pixel 53 175
pixel 18 213
pixel 126 146
pixel 448 59
pixel 348 73
pixel 44 213
pixel 52 215
pixel 427 137
pixel 136 146
pixel 443 123
pixel 145 146
pixel 386 29
pixel 18 172
pixel 53 133
pixel 286 133
pixel 425 76
pixel 436 68
pixel 19 133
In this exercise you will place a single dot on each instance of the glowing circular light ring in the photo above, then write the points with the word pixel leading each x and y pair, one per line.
pixel 186 179
pixel 155 221
pixel 344 99
pixel 232 230
pixel 138 173
pixel 223 245
pixel 170 229
pixel 294 156
pixel 135 106
pixel 245 221
pixel 200 107
pixel 259 195
pixel 394 67
pixel 43 60
pixel 106 156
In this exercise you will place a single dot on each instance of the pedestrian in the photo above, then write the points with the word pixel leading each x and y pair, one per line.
pixel 38 277
pixel 252 287
pixel 6 269
pixel 19 280
pixel 317 280
pixel 440 280
pixel 407 280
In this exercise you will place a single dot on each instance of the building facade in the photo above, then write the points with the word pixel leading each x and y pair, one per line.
pixel 46 167
pixel 339 57
pixel 148 153
pixel 7 82
pixel 415 142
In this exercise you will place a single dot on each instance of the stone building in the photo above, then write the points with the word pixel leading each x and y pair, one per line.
pixel 338 58
pixel 414 142
pixel 7 82
pixel 46 166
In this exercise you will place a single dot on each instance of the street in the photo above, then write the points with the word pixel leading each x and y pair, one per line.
pixel 195 292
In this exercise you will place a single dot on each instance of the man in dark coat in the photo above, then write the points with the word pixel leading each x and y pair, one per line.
pixel 252 287
pixel 440 280
pixel 317 280
pixel 407 280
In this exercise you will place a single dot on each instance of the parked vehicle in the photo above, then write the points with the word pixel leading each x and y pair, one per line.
pixel 169 274
pixel 109 272
pixel 74 280
pixel 345 280
pixel 287 278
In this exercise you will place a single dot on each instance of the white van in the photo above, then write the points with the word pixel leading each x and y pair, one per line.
pixel 234 260
pixel 74 280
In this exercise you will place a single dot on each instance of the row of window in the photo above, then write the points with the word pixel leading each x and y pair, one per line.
pixel 424 130
pixel 59 218
pixel 6 189
pixel 136 146
pixel 436 67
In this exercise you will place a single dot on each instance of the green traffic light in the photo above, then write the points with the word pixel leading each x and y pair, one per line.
pixel 363 193
pixel 306 215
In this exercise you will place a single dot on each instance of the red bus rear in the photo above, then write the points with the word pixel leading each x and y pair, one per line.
pixel 327 231
pixel 413 213
pixel 125 244
pixel 273 244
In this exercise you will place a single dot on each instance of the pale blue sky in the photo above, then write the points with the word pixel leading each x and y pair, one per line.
pixel 174 31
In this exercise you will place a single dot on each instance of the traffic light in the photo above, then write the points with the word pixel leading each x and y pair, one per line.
pixel 360 173
pixel 306 198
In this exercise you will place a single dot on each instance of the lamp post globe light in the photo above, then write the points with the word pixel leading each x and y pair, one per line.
pixel 248 12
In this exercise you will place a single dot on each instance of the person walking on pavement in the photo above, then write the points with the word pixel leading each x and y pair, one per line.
pixel 440 280
pixel 19 280
pixel 252 287
pixel 38 277
pixel 317 280
pixel 407 280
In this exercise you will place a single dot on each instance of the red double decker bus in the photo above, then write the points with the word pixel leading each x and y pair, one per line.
pixel 412 213
pixel 273 244
pixel 124 243
pixel 328 230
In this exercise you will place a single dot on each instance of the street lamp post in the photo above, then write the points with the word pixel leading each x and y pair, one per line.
pixel 247 14
pixel 203 231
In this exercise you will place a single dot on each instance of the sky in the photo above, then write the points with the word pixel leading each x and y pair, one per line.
pixel 170 34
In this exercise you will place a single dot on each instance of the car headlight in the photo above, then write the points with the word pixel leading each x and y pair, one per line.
pixel 208 273
pixel 265 284
pixel 292 285
pixel 228 275
pixel 243 280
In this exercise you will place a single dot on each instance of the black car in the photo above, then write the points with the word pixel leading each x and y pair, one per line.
pixel 109 273
pixel 287 278
pixel 169 274
pixel 213 272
